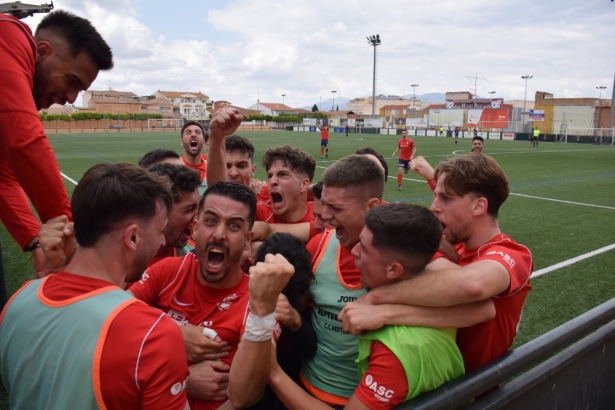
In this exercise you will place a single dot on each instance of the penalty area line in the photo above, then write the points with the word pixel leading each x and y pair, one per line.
pixel 572 260
pixel 69 178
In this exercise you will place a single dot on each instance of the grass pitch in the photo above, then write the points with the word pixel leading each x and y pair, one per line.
pixel 562 204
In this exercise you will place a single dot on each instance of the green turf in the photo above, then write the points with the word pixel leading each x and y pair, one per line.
pixel 554 231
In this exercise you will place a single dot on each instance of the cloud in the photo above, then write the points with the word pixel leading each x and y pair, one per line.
pixel 242 49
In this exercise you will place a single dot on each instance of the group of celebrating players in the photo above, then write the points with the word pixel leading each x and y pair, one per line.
pixel 183 282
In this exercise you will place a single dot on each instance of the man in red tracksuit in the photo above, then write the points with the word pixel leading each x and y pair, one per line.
pixel 62 59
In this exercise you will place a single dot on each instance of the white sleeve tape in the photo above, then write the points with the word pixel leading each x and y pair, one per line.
pixel 259 328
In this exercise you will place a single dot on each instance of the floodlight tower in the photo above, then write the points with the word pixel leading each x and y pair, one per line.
pixel 525 77
pixel 333 103
pixel 374 41
pixel 413 97
pixel 601 87
pixel 283 95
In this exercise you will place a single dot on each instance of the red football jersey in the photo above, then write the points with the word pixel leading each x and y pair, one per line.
pixel 406 146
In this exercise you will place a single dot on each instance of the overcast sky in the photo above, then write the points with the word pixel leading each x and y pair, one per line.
pixel 229 50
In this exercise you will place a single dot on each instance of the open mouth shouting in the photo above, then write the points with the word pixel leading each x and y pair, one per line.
pixel 277 200
pixel 215 256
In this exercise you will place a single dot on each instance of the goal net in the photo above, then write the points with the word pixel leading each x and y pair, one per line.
pixel 601 136
pixel 162 124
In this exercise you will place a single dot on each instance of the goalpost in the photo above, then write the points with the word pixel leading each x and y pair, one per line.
pixel 600 136
pixel 165 123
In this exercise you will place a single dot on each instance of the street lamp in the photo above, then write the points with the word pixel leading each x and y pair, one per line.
pixel 413 97
pixel 374 41
pixel 491 92
pixel 525 77
pixel 601 87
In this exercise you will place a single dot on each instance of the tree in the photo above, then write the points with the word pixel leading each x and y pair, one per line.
pixel 337 107
pixel 315 108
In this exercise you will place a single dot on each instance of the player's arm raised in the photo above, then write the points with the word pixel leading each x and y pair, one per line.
pixel 251 364
pixel 224 123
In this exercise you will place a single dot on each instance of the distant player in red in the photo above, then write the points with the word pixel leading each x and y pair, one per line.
pixel 51 327
pixel 61 60
pixel 407 147
pixel 324 141
pixel 482 292
pixel 193 139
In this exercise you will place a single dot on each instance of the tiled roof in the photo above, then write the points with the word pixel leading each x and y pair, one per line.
pixel 179 94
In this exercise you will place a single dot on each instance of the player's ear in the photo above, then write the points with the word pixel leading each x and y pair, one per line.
pixel 479 206
pixel 130 236
pixel 372 203
pixel 394 270
pixel 43 50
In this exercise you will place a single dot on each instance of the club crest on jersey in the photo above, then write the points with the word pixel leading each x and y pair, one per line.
pixel 226 302
pixel 381 392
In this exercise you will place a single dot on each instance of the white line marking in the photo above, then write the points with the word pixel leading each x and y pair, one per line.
pixel 70 179
pixel 573 260
pixel 560 200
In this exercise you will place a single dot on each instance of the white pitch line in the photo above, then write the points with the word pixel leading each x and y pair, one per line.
pixel 561 200
pixel 392 176
pixel 67 177
pixel 572 260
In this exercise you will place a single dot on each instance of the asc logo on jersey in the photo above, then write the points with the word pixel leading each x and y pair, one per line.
pixel 382 393
pixel 504 256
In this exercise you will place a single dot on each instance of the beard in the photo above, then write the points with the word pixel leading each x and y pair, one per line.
pixel 139 266
pixel 230 261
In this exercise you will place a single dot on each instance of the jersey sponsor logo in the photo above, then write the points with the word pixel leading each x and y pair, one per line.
pixel 177 317
pixel 180 303
pixel 226 302
pixel 178 388
pixel 206 323
pixel 381 392
pixel 504 256
pixel 346 299
pixel 144 277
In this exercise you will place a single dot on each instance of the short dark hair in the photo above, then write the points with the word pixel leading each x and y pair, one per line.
pixel 236 192
pixel 478 175
pixel 370 150
pixel 80 36
pixel 478 138
pixel 189 123
pixel 183 180
pixel 356 172
pixel 294 158
pixel 291 247
pixel 317 190
pixel 155 156
pixel 110 193
pixel 407 233
pixel 240 144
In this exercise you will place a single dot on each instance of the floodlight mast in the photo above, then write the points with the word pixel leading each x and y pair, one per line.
pixel 413 97
pixel 525 77
pixel 374 41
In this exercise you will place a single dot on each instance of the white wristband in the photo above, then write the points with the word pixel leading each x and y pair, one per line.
pixel 259 328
